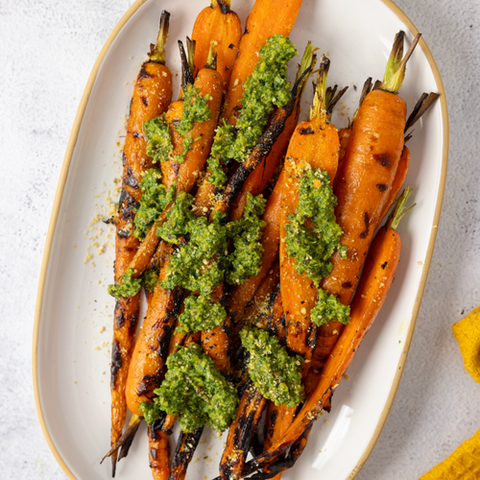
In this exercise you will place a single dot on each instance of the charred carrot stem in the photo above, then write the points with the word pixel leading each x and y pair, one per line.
pixel 151 96
pixel 125 441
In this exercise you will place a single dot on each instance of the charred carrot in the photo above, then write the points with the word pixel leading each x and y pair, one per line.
pixel 151 347
pixel 151 96
pixel 159 453
pixel 240 433
pixel 312 152
pixel 186 446
pixel 375 146
pixel 184 173
pixel 267 18
pixel 217 23
pixel 263 173
pixel 378 275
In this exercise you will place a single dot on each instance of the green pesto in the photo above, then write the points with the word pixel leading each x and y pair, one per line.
pixel 266 88
pixel 150 279
pixel 128 288
pixel 276 375
pixel 186 147
pixel 313 249
pixel 154 200
pixel 246 259
pixel 201 314
pixel 194 391
pixel 151 412
pixel 198 265
pixel 329 308
pixel 175 227
pixel 195 110
pixel 159 141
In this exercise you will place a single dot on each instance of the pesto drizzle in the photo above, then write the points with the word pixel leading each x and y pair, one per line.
pixel 203 262
pixel 157 131
pixel 131 286
pixel 312 249
pixel 155 199
pixel 194 391
pixel 266 88
pixel 276 375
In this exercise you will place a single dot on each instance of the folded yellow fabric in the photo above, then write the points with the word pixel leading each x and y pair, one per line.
pixel 464 462
pixel 467 333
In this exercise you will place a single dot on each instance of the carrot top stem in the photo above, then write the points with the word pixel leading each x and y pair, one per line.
pixel 396 66
pixel 187 71
pixel 225 5
pixel 212 56
pixel 157 51
pixel 398 212
pixel 319 108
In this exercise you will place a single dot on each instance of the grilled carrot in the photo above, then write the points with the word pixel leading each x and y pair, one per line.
pixel 186 446
pixel 375 146
pixel 217 23
pixel 159 453
pixel 314 144
pixel 209 83
pixel 263 173
pixel 151 348
pixel 267 18
pixel 378 275
pixel 151 96
pixel 241 431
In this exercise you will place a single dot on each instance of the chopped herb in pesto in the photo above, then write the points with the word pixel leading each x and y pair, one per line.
pixel 246 259
pixel 154 200
pixel 201 314
pixel 313 249
pixel 151 412
pixel 178 217
pixel 150 279
pixel 197 265
pixel 159 141
pixel 194 391
pixel 328 308
pixel 131 286
pixel 276 375
pixel 128 288
pixel 264 90
pixel 195 110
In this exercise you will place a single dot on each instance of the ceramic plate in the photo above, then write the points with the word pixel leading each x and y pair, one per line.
pixel 71 344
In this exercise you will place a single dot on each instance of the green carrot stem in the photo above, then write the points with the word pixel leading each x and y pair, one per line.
pixel 398 212
pixel 396 66
pixel 157 51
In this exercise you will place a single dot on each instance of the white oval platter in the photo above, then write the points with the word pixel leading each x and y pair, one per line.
pixel 72 331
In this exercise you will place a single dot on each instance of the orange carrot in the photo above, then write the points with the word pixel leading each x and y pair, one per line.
pixel 159 453
pixel 314 144
pixel 151 348
pixel 151 96
pixel 368 173
pixel 267 18
pixel 378 275
pixel 217 23
pixel 209 83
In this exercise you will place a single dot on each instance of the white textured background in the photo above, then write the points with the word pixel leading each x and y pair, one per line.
pixel 47 49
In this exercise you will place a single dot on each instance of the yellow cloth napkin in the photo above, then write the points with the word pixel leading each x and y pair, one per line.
pixel 464 462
